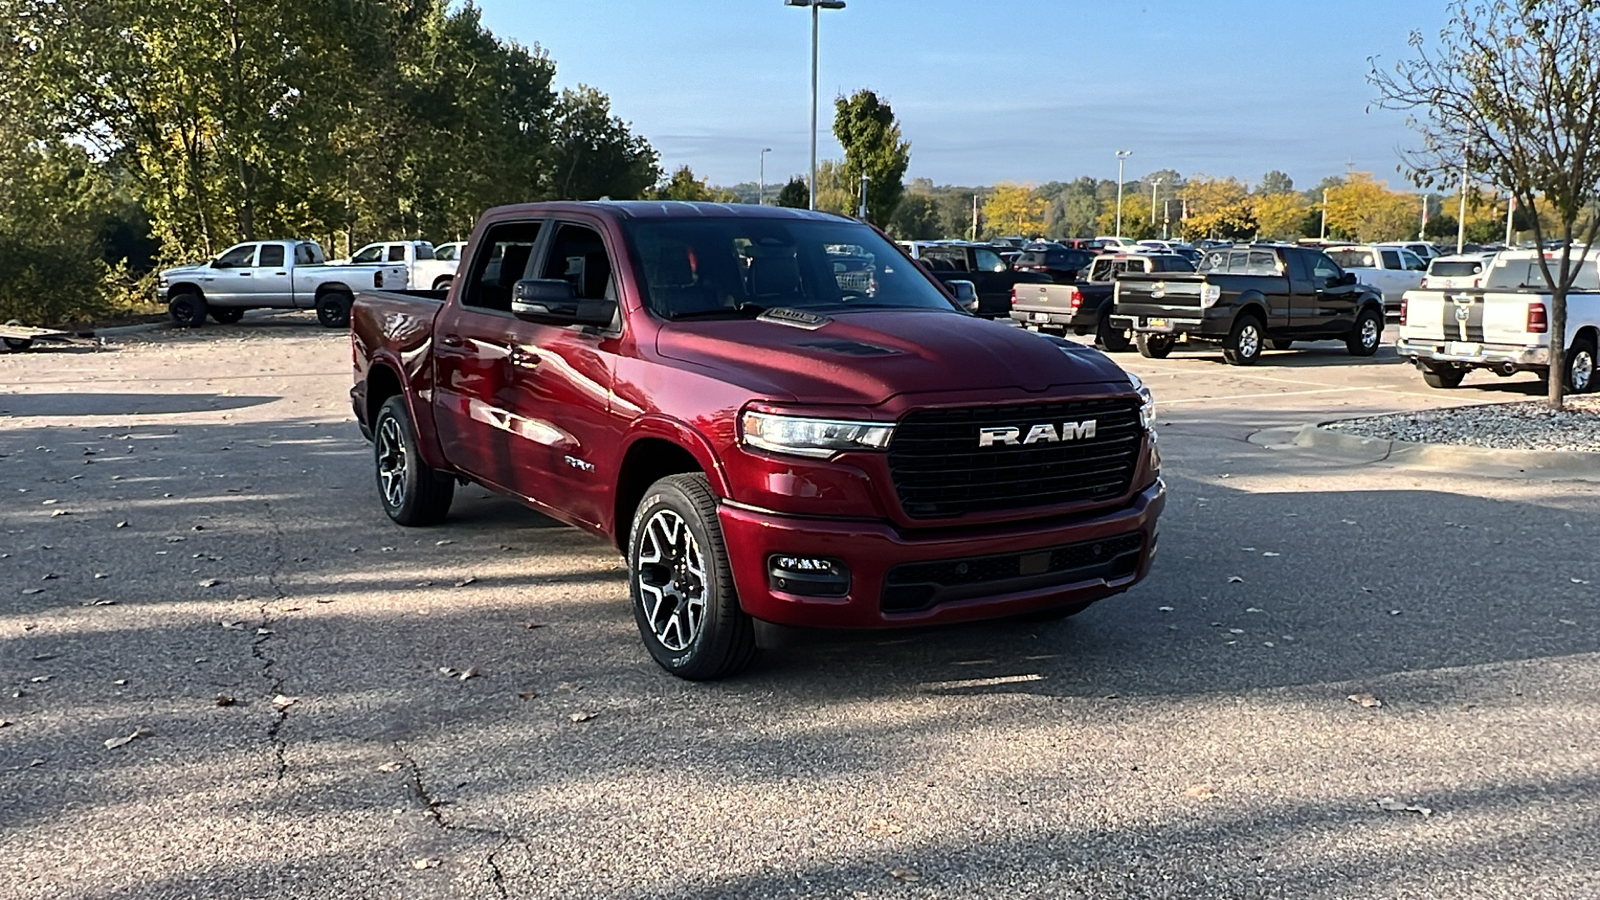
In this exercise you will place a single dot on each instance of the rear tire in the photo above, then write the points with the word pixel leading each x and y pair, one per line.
pixel 442 283
pixel 412 492
pixel 333 309
pixel 227 315
pixel 1111 338
pixel 1443 377
pixel 1581 366
pixel 18 344
pixel 1245 340
pixel 1367 334
pixel 681 584
pixel 1154 345
pixel 187 309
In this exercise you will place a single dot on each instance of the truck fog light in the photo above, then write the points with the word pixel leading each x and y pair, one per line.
pixel 809 576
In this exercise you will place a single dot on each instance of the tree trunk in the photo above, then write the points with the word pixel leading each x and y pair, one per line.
pixel 1558 348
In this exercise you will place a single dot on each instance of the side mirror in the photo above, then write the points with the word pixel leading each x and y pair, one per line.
pixel 966 294
pixel 1347 278
pixel 552 302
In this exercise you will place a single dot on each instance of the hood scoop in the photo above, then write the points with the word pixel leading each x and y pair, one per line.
pixel 794 318
pixel 849 348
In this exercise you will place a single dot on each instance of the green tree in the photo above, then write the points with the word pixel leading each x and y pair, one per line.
pixel 1275 182
pixel 795 194
pixel 684 186
pixel 595 154
pixel 916 218
pixel 866 128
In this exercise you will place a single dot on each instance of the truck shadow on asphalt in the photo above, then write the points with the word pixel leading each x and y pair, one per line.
pixel 77 403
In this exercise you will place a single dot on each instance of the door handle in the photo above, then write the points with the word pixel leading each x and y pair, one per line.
pixel 244 274
pixel 524 359
pixel 451 340
pixel 280 273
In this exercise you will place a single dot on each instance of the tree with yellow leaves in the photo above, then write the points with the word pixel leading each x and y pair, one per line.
pixel 1218 208
pixel 1364 209
pixel 1279 215
pixel 1013 209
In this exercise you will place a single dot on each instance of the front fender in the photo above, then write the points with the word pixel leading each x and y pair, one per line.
pixel 662 427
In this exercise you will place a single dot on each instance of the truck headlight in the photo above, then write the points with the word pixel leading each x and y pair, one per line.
pixel 802 436
pixel 1147 402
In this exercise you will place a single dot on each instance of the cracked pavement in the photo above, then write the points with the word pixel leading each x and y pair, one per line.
pixel 189 519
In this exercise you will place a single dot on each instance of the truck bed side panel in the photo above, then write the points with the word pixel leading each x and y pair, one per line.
pixel 394 330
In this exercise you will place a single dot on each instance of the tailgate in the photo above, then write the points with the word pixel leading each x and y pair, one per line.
pixel 1056 298
pixel 1471 316
pixel 1155 295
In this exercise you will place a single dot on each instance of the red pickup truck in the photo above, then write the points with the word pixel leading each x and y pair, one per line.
pixel 776 416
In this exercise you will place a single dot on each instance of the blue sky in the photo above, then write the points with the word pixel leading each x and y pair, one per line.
pixel 985 92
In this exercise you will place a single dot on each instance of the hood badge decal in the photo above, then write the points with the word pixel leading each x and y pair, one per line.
pixel 794 318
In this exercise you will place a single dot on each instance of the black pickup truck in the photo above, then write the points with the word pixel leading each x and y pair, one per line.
pixel 980 264
pixel 1249 298
pixel 1085 307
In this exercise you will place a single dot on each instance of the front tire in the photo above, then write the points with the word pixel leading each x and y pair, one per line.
pixel 187 309
pixel 18 344
pixel 1154 345
pixel 1367 333
pixel 1581 366
pixel 1244 343
pixel 333 309
pixel 227 315
pixel 681 583
pixel 412 492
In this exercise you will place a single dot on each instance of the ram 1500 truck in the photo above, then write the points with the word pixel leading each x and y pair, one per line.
pixel 1085 307
pixel 1248 298
pixel 268 275
pixel 1502 323
pixel 769 439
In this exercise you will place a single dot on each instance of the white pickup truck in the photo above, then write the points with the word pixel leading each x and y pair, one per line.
pixel 269 275
pixel 1391 269
pixel 1503 326
pixel 424 270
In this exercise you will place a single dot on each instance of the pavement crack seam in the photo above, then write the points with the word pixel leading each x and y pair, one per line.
pixel 435 808
pixel 258 649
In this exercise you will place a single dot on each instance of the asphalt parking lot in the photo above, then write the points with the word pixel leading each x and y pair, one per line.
pixel 192 555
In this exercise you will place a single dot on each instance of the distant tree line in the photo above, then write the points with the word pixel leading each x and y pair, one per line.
pixel 144 130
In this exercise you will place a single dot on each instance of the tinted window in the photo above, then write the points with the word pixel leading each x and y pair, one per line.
pixel 369 254
pixel 271 256
pixel 1391 259
pixel 988 260
pixel 447 252
pixel 502 260
pixel 1323 268
pixel 1455 268
pixel 578 257
pixel 1412 262
pixel 238 256
pixel 738 267
pixel 1241 262
pixel 397 253
pixel 424 251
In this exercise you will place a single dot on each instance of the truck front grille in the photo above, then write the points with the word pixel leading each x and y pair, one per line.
pixel 941 470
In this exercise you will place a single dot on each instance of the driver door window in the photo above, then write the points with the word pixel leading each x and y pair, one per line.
pixel 988 260
pixel 236 258
pixel 371 254
pixel 1323 271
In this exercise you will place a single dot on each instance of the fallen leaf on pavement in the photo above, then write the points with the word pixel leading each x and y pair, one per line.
pixel 470 579
pixel 50 576
pixel 1164 609
pixel 1365 701
pixel 39 679
pixel 1201 792
pixel 114 743
pixel 527 695
pixel 424 863
pixel 905 875
pixel 210 582
pixel 1390 804
pixel 471 672
pixel 282 702
pixel 1270 553
pixel 120 681
pixel 581 716
pixel 99 602
pixel 122 524
pixel 1579 581
pixel 235 626
pixel 4 723
pixel 223 700
pixel 389 767
pixel 532 624
pixel 442 543
pixel 61 512
pixel 1254 609
pixel 33 590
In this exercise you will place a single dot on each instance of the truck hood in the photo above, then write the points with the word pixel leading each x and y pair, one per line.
pixel 180 271
pixel 865 358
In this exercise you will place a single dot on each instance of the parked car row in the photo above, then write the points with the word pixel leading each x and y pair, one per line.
pixel 296 275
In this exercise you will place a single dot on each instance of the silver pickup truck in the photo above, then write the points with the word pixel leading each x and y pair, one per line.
pixel 269 275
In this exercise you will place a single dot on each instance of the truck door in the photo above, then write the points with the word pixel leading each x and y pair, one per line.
pixel 1302 292
pixel 1335 301
pixel 561 379
pixel 232 276
pixel 272 287
pixel 472 359
pixel 992 277
pixel 397 256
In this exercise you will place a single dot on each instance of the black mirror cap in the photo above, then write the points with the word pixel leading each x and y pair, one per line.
pixel 965 292
pixel 1349 278
pixel 551 301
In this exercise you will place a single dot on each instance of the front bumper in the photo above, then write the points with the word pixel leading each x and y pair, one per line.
pixel 1485 355
pixel 1029 578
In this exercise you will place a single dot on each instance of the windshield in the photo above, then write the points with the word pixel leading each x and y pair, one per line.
pixel 739 266
pixel 1353 259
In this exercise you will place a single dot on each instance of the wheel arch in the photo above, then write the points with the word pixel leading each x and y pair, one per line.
pixel 1588 331
pixel 655 450
pixel 184 287
pixel 330 287
pixel 1252 303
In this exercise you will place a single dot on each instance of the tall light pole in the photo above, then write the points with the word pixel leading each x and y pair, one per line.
pixel 1323 234
pixel 761 189
pixel 862 213
pixel 1511 212
pixel 1461 222
pixel 1153 185
pixel 1122 157
pixel 816 7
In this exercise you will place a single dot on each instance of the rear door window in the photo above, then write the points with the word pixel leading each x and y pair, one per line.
pixel 271 257
pixel 1391 259
pixel 397 253
pixel 502 260
pixel 988 260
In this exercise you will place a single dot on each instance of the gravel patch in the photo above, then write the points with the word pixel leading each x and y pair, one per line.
pixel 1528 425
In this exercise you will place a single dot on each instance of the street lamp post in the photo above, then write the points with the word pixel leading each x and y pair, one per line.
pixel 761 189
pixel 862 213
pixel 1153 185
pixel 1122 157
pixel 816 7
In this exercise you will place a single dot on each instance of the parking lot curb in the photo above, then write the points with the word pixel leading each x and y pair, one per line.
pixel 1319 438
pixel 131 329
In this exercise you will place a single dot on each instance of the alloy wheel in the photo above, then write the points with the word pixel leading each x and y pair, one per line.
pixel 1369 332
pixel 391 463
pixel 1582 371
pixel 1249 341
pixel 672 580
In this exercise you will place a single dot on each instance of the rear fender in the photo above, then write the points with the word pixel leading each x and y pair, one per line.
pixel 388 361
pixel 1252 302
